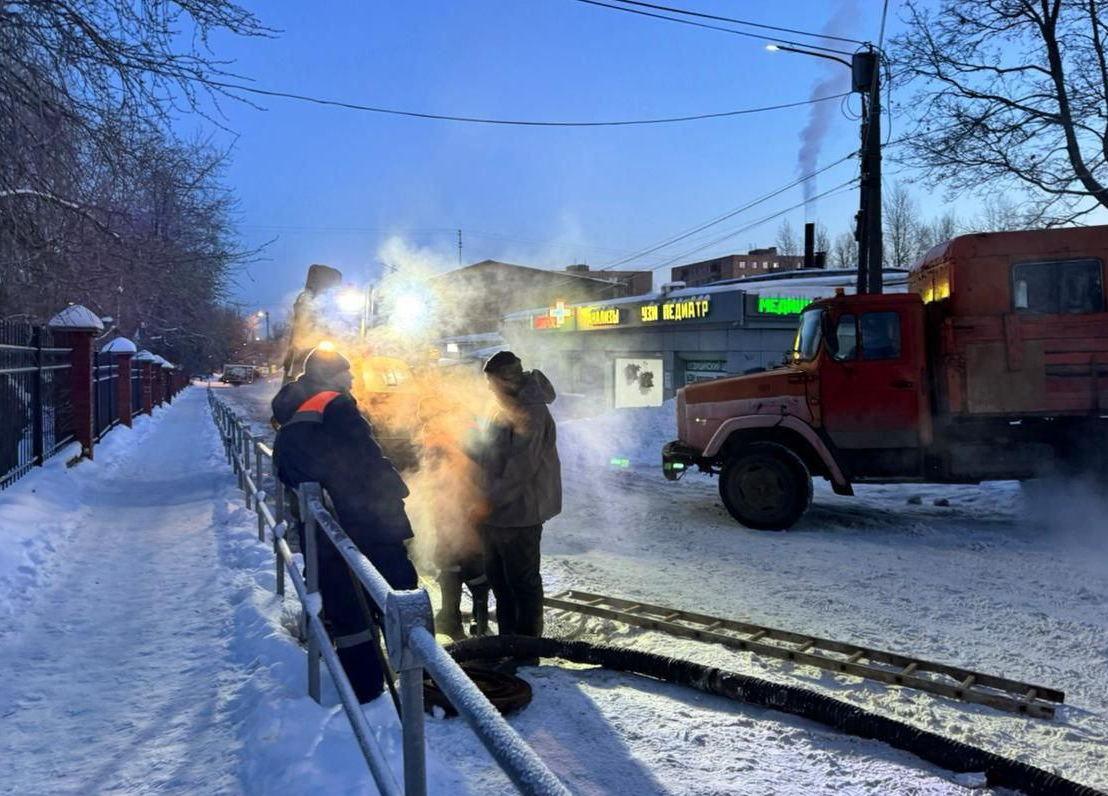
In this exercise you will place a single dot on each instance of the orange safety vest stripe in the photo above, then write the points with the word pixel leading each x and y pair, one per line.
pixel 318 402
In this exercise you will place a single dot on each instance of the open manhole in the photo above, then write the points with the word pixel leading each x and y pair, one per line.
pixel 507 692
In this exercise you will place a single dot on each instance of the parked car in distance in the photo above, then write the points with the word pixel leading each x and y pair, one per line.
pixel 237 374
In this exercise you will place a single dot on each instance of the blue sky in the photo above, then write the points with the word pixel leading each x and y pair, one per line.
pixel 335 185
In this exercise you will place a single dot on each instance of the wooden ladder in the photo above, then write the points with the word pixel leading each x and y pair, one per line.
pixel 886 667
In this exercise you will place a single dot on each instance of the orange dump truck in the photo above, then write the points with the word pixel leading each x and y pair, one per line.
pixel 993 366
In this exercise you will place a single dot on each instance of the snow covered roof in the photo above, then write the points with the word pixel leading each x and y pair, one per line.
pixel 144 356
pixel 120 345
pixel 76 317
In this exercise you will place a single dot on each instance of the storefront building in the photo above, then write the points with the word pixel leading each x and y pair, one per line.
pixel 639 350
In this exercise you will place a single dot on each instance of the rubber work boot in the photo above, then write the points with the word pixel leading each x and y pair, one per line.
pixel 479 591
pixel 448 620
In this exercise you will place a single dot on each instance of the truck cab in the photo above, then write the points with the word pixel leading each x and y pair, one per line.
pixel 850 404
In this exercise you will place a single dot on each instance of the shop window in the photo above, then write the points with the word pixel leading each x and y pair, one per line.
pixel 880 335
pixel 846 337
pixel 1062 287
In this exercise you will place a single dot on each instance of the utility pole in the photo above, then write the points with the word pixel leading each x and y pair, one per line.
pixel 459 248
pixel 866 68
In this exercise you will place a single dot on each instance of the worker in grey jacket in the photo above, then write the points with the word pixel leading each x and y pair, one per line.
pixel 522 482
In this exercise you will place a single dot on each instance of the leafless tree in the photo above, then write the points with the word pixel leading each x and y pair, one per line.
pixel 845 253
pixel 901 225
pixel 1001 214
pixel 938 231
pixel 99 202
pixel 823 238
pixel 787 242
pixel 1011 94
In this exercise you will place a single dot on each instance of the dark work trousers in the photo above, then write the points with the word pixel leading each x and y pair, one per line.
pixel 345 612
pixel 512 567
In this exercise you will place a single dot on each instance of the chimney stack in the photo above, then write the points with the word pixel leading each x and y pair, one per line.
pixel 810 245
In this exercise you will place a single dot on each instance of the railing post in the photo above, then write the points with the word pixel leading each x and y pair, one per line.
pixel 247 439
pixel 258 481
pixel 280 517
pixel 411 725
pixel 226 432
pixel 36 401
pixel 404 612
pixel 311 561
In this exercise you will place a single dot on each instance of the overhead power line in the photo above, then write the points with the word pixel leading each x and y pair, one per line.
pixel 746 34
pixel 753 225
pixel 747 23
pixel 731 213
pixel 512 122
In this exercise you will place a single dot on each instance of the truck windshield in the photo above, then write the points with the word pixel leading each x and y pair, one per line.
pixel 808 335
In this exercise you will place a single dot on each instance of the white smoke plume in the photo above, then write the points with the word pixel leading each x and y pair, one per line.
pixel 821 114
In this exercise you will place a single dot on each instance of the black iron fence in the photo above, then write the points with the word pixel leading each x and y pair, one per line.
pixel 35 409
pixel 136 388
pixel 105 391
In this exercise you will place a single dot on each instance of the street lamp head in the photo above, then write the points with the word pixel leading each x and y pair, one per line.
pixel 773 47
pixel 261 313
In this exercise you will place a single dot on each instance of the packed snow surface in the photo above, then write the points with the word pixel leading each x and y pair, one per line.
pixel 143 649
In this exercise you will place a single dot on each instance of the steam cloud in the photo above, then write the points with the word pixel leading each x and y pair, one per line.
pixel 821 114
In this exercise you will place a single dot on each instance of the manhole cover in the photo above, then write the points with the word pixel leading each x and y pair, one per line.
pixel 507 692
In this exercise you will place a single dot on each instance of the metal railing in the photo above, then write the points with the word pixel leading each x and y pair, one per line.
pixel 105 392
pixel 408 629
pixel 35 411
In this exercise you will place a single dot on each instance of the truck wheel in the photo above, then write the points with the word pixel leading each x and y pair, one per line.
pixel 766 486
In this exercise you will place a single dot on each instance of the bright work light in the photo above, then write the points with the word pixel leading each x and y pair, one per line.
pixel 410 311
pixel 350 300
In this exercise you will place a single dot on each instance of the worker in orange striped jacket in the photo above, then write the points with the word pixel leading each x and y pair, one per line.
pixel 322 437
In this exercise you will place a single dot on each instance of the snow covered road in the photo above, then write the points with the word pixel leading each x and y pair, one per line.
pixel 116 674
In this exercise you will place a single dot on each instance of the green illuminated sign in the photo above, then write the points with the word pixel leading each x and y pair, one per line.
pixel 782 305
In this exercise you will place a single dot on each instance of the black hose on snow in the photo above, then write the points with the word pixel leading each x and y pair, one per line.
pixel 945 752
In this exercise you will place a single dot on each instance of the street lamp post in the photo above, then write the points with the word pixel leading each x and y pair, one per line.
pixel 265 314
pixel 865 71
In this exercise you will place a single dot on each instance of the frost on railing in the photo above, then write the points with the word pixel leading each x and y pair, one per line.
pixel 408 630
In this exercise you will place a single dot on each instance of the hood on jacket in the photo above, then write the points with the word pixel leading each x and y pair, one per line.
pixel 536 389
pixel 292 395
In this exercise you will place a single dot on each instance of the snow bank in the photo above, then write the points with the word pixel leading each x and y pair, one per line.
pixel 618 439
pixel 44 510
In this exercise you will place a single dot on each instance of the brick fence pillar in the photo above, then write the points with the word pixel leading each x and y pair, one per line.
pixel 167 379
pixel 146 376
pixel 147 387
pixel 123 387
pixel 74 328
pixel 123 350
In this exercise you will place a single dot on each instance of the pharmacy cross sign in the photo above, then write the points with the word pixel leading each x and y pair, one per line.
pixel 559 313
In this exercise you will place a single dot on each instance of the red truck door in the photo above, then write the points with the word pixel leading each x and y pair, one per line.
pixel 870 373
